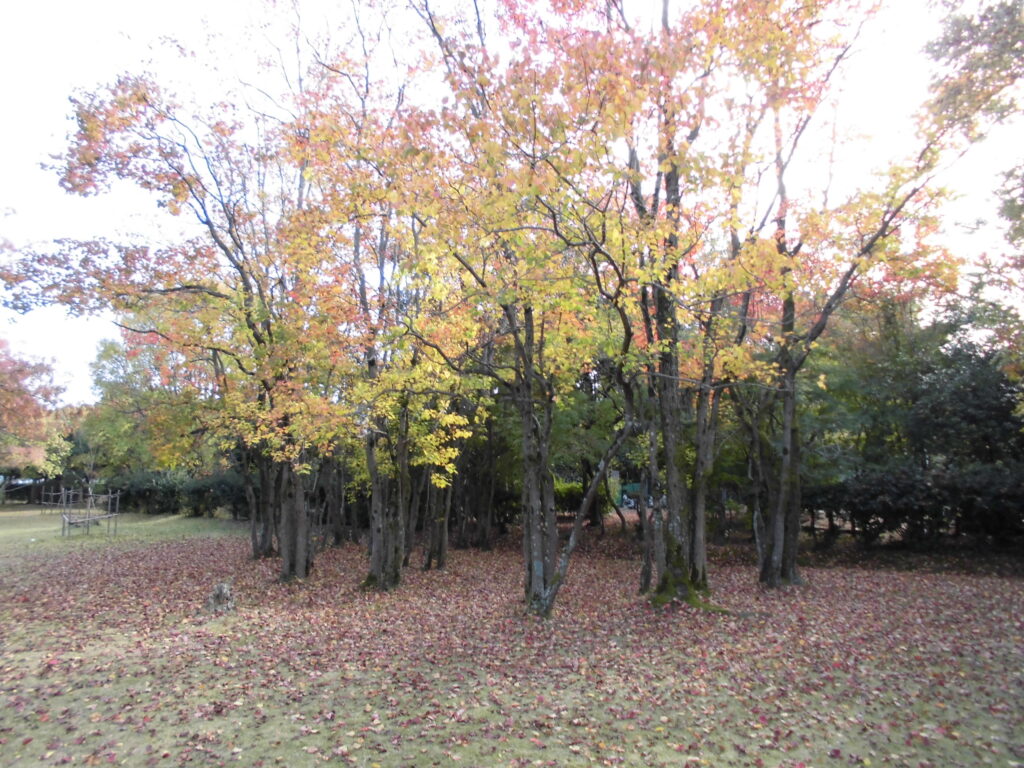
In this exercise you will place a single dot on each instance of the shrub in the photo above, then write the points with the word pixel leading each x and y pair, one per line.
pixel 568 495
pixel 165 493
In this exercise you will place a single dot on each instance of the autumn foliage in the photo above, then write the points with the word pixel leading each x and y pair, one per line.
pixel 457 225
pixel 27 394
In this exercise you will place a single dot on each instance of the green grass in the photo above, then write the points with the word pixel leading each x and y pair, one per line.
pixel 32 530
pixel 106 657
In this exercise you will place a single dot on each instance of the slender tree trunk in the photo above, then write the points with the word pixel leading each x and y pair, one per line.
pixel 404 482
pixel 430 527
pixel 413 519
pixel 287 529
pixel 251 501
pixel 442 527
pixel 650 515
pixel 336 502
pixel 595 519
pixel 647 564
pixel 486 521
pixel 538 515
pixel 460 509
pixel 656 517
pixel 771 565
pixel 589 497
pixel 486 534
pixel 790 574
pixel 707 419
pixel 615 506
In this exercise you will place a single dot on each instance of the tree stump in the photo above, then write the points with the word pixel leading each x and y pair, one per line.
pixel 220 600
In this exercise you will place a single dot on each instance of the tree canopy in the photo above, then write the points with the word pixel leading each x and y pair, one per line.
pixel 550 236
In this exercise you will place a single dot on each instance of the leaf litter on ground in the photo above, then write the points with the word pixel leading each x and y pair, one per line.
pixel 107 658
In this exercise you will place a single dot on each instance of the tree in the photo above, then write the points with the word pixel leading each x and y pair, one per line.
pixel 30 440
pixel 353 135
pixel 510 290
pixel 980 54
pixel 982 60
pixel 730 276
pixel 916 423
pixel 597 201
pixel 245 304
pixel 149 415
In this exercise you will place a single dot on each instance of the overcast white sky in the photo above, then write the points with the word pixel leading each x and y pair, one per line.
pixel 50 48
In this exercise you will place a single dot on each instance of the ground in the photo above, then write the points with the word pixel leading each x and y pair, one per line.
pixel 106 657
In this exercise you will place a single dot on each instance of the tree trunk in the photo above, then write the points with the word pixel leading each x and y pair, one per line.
pixel 486 521
pixel 404 482
pixel 439 504
pixel 539 523
pixel 615 506
pixel 589 497
pixel 430 527
pixel 251 500
pixel 647 564
pixel 707 417
pixel 442 527
pixel 387 529
pixel 771 565
pixel 595 518
pixel 460 510
pixel 650 526
pixel 262 528
pixel 486 534
pixel 336 503
pixel 413 520
pixel 674 578
pixel 790 575
pixel 294 530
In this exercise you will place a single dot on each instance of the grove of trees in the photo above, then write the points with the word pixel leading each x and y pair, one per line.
pixel 477 269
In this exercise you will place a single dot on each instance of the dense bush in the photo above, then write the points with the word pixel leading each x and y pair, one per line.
pixel 919 505
pixel 919 435
pixel 568 495
pixel 160 493
pixel 151 492
pixel 987 499
pixel 223 490
pixel 897 499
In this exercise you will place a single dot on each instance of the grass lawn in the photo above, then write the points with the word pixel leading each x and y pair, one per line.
pixel 106 658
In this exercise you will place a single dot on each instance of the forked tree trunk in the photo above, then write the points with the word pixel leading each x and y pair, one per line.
pixel 589 497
